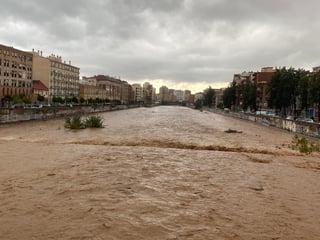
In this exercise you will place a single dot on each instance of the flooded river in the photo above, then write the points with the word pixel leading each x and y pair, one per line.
pixel 156 173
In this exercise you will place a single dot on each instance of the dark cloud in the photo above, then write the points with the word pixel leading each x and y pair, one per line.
pixel 189 41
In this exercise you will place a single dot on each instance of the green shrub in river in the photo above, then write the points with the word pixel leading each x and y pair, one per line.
pixel 94 122
pixel 75 122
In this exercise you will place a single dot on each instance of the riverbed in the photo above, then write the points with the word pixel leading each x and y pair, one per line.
pixel 156 173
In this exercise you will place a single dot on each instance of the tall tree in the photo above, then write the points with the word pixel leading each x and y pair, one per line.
pixel 229 95
pixel 303 88
pixel 249 95
pixel 283 87
pixel 314 89
pixel 209 95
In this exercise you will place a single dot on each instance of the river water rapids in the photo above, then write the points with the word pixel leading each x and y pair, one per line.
pixel 156 173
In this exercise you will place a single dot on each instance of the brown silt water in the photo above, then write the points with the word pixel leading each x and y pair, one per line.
pixel 156 173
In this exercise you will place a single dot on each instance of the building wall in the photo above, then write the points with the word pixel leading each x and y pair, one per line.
pixel 89 81
pixel 137 93
pixel 41 93
pixel 179 95
pixel 111 85
pixel 64 79
pixel 41 68
pixel 89 91
pixel 15 72
pixel 116 89
pixel 149 94
pixel 164 94
pixel 262 80
pixel 60 78
pixel 126 95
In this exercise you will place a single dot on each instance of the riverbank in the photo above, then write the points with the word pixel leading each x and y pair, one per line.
pixel 298 127
pixel 45 113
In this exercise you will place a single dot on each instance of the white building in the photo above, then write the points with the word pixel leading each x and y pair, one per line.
pixel 179 95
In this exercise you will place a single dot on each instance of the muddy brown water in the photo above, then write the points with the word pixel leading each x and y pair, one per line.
pixel 156 173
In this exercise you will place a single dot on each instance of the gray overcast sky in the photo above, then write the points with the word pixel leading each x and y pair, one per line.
pixel 184 44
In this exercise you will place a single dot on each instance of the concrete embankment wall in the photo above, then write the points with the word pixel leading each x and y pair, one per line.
pixel 21 114
pixel 304 128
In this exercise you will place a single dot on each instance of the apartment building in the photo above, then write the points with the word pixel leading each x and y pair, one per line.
pixel 262 80
pixel 88 91
pixel 126 93
pixel 61 78
pixel 15 72
pixel 164 94
pixel 179 95
pixel 137 93
pixel 149 93
pixel 172 97
pixel 116 89
pixel 188 97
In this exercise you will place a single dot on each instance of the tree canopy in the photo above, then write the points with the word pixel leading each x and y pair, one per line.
pixel 229 96
pixel 209 95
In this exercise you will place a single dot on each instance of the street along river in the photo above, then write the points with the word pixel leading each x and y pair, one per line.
pixel 156 173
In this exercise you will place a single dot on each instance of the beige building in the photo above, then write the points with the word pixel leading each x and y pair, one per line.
pixel 164 94
pixel 149 93
pixel 61 78
pixel 187 96
pixel 88 91
pixel 15 72
pixel 88 81
pixel 116 89
pixel 137 93
pixel 126 93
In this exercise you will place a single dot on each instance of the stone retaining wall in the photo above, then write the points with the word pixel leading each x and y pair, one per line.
pixel 21 114
pixel 304 128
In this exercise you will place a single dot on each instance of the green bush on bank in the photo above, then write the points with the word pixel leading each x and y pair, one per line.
pixel 304 146
pixel 75 122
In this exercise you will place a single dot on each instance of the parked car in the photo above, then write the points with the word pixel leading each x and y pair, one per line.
pixel 309 120
pixel 17 105
pixel 33 106
pixel 261 112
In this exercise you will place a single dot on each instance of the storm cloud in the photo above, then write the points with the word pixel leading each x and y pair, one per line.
pixel 181 43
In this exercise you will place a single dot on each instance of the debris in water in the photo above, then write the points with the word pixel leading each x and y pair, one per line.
pixel 257 188
pixel 232 131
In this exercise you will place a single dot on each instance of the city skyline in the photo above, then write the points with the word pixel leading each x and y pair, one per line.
pixel 180 44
